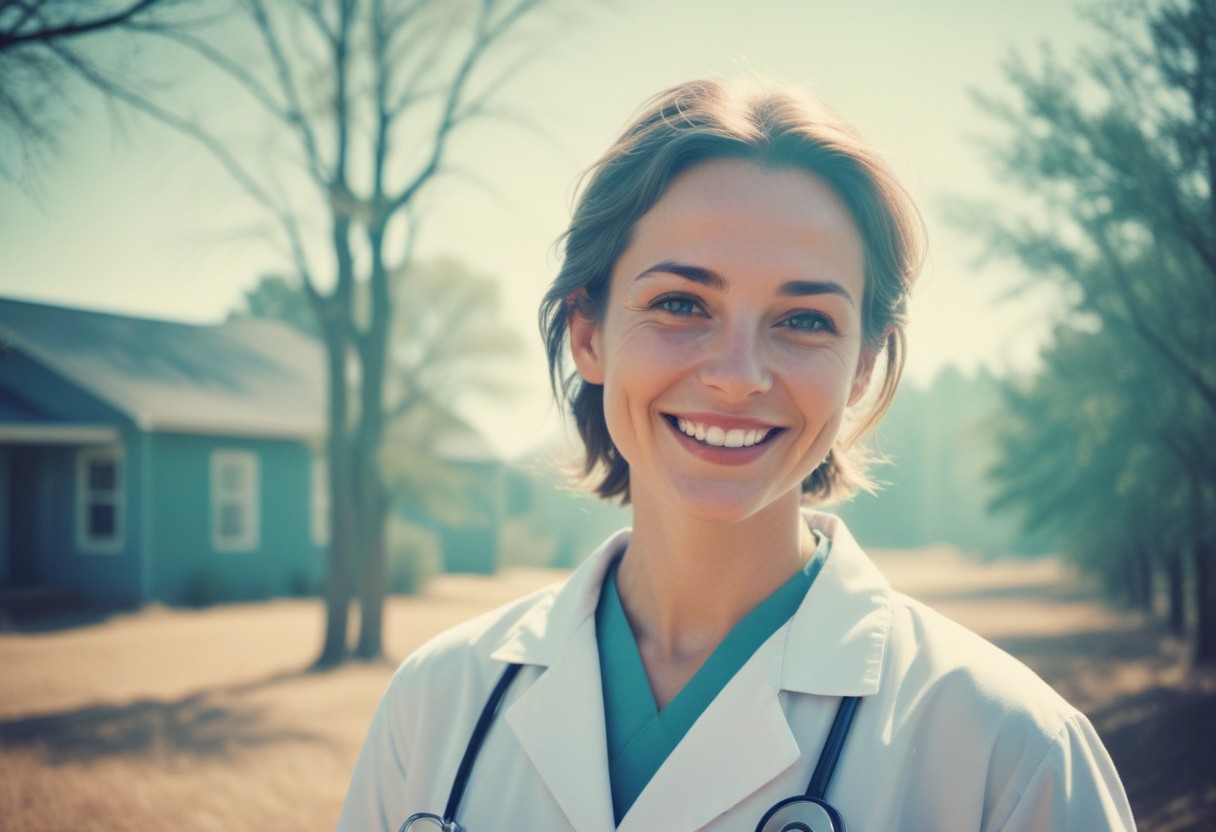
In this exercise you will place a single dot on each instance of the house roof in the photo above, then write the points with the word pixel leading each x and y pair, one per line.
pixel 249 377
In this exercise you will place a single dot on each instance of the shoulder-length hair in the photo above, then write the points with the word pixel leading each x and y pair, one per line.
pixel 689 125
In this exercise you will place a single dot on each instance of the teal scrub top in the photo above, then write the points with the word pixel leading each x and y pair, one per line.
pixel 640 736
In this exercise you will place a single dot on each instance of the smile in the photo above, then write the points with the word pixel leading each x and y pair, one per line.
pixel 721 437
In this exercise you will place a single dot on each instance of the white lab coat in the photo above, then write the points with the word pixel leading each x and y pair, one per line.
pixel 952 735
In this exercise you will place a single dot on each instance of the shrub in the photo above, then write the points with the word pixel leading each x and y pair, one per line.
pixel 205 588
pixel 520 544
pixel 412 555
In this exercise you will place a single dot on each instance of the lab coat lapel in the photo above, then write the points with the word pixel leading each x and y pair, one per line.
pixel 559 721
pixel 741 742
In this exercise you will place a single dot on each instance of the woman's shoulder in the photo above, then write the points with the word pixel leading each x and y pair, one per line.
pixel 935 656
pixel 955 690
pixel 969 707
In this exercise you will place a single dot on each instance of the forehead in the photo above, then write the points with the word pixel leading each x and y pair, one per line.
pixel 740 217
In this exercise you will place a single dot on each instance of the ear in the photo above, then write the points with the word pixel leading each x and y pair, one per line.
pixel 586 344
pixel 861 380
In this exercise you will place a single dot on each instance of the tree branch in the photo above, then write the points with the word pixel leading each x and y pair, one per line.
pixel 61 31
pixel 224 63
pixel 293 116
pixel 484 35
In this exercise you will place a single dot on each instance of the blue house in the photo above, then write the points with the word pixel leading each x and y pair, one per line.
pixel 147 460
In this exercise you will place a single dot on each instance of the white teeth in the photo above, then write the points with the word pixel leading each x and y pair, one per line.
pixel 720 437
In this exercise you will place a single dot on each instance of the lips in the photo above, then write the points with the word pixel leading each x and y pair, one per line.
pixel 723 435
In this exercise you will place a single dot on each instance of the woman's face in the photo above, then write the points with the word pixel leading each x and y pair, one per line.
pixel 730 344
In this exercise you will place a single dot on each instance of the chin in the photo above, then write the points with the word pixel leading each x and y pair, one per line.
pixel 725 505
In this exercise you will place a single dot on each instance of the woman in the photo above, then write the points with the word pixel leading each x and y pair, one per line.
pixel 735 277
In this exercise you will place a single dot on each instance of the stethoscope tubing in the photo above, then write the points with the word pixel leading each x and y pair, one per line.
pixel 816 790
pixel 829 756
pixel 479 735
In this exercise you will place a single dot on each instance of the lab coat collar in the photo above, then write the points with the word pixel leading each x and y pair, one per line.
pixel 833 646
pixel 541 633
pixel 559 718
pixel 839 634
pixel 836 639
pixel 559 722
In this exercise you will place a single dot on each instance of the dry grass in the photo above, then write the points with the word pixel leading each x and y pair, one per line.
pixel 202 720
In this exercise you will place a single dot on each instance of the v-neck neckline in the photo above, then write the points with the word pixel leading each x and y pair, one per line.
pixel 640 735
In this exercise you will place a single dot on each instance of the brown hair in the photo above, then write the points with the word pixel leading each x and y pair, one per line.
pixel 774 127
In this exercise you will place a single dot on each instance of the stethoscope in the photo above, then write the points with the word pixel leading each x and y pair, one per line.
pixel 809 812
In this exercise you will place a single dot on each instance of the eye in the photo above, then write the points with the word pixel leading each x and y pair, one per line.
pixel 679 305
pixel 809 322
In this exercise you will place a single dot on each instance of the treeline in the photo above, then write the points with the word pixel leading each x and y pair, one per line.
pixel 1110 447
pixel 935 447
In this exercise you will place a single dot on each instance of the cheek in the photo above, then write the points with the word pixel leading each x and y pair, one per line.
pixel 823 379
pixel 640 357
pixel 643 365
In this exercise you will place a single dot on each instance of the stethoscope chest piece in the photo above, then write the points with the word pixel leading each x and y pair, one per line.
pixel 801 814
pixel 429 822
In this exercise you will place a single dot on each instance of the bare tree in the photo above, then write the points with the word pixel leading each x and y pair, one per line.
pixel 42 45
pixel 365 96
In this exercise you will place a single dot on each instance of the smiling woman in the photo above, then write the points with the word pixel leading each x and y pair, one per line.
pixel 736 274
pixel 736 308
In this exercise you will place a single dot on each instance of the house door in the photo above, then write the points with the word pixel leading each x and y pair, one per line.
pixel 28 486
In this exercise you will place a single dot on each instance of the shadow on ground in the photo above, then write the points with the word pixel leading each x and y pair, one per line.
pixel 212 723
pixel 1171 785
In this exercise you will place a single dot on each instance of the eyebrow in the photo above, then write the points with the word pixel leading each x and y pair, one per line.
pixel 713 280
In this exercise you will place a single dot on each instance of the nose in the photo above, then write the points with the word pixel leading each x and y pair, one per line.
pixel 736 362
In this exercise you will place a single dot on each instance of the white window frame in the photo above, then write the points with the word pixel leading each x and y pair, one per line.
pixel 247 497
pixel 86 497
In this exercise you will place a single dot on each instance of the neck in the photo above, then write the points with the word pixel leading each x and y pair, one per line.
pixel 686 583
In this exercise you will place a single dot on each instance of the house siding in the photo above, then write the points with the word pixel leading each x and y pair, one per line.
pixel 41 504
pixel 186 567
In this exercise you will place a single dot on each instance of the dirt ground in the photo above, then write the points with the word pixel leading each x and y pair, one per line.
pixel 209 720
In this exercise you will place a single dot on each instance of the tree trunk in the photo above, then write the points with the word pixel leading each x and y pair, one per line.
pixel 1205 608
pixel 1133 584
pixel 371 599
pixel 1204 574
pixel 1144 579
pixel 372 518
pixel 1176 592
pixel 342 544
pixel 373 353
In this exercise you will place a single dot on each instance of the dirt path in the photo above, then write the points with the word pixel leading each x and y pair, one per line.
pixel 201 720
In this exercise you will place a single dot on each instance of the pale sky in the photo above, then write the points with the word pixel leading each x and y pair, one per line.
pixel 139 221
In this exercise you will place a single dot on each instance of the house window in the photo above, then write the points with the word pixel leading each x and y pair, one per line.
pixel 99 503
pixel 234 501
